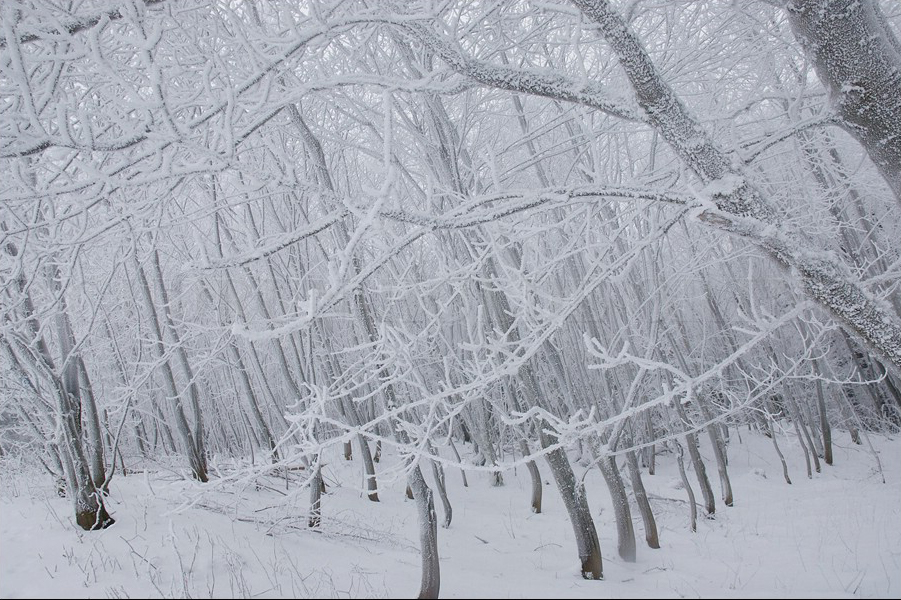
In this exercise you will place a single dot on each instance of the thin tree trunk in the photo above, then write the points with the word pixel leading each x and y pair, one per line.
pixel 182 356
pixel 801 429
pixel 534 477
pixel 316 496
pixel 719 453
pixel 692 504
pixel 428 535
pixel 438 473
pixel 825 429
pixel 196 458
pixel 652 449
pixel 641 499
pixel 460 462
pixel 372 487
pixel 624 528
pixel 253 404
pixel 697 461
pixel 778 451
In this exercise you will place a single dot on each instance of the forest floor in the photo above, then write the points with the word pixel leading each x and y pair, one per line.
pixel 833 536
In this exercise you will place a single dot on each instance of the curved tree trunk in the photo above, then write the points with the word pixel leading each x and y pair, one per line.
pixel 571 491
pixel 438 473
pixel 625 531
pixel 692 504
pixel 691 440
pixel 453 448
pixel 534 477
pixel 778 451
pixel 651 535
pixel 719 454
pixel 573 494
pixel 428 534
pixel 90 511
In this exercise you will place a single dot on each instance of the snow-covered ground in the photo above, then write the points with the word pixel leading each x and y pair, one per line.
pixel 836 535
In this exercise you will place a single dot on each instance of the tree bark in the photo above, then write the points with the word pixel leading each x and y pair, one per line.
pixel 651 535
pixel 534 477
pixel 692 504
pixel 855 54
pixel 428 534
pixel 740 211
pixel 624 529
pixel 196 457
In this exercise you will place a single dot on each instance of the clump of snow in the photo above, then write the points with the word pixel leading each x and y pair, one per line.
pixel 723 187
pixel 758 472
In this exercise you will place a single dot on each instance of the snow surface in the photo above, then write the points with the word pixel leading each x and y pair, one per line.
pixel 836 535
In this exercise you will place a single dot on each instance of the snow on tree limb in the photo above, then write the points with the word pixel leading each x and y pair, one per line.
pixel 856 56
pixel 822 278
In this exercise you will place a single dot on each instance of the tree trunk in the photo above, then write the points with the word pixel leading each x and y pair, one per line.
pixel 855 54
pixel 196 456
pixel 743 210
pixel 573 494
pixel 534 477
pixel 438 473
pixel 625 532
pixel 91 417
pixel 825 429
pixel 692 504
pixel 316 496
pixel 778 451
pixel 372 486
pixel 459 461
pixel 719 453
pixel 428 534
pixel 691 440
pixel 641 499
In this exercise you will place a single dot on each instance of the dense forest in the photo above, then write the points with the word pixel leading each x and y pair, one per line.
pixel 435 236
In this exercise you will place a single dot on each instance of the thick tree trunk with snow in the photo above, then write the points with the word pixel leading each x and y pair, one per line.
pixel 741 209
pixel 573 494
pixel 856 56
pixel 64 381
